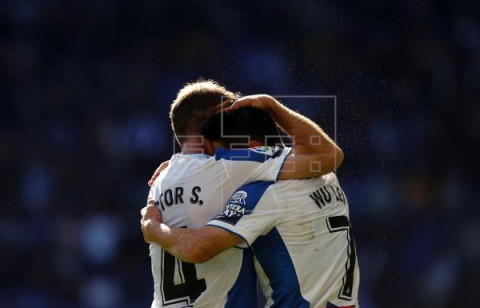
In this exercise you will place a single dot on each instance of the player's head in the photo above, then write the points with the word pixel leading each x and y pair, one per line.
pixel 240 127
pixel 196 102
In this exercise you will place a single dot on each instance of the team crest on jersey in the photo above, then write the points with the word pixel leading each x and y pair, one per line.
pixel 239 197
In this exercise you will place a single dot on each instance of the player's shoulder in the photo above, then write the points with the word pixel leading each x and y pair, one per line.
pixel 182 161
pixel 250 194
pixel 188 166
pixel 182 157
pixel 258 154
pixel 243 202
pixel 299 186
pixel 330 178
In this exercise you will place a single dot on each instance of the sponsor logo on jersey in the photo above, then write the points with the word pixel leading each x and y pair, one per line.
pixel 264 150
pixel 235 208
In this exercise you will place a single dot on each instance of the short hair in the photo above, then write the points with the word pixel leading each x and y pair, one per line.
pixel 241 126
pixel 194 103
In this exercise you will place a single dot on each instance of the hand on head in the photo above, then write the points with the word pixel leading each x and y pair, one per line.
pixel 260 101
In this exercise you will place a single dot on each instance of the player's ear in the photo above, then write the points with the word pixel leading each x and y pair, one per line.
pixel 208 147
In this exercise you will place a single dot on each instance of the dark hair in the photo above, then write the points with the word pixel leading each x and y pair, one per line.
pixel 240 126
pixel 194 103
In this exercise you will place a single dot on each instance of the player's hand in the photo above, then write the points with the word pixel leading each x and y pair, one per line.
pixel 147 229
pixel 224 105
pixel 151 220
pixel 150 211
pixel 260 101
pixel 157 172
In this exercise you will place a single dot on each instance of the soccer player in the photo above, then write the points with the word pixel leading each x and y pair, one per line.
pixel 299 232
pixel 194 188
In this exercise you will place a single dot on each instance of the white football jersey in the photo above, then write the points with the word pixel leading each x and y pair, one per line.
pixel 190 192
pixel 302 241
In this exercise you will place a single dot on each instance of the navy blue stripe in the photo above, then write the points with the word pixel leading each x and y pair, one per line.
pixel 241 155
pixel 244 292
pixel 242 202
pixel 273 256
pixel 255 191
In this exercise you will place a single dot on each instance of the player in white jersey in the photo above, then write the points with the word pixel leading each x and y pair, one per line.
pixel 299 232
pixel 194 188
pixel 189 192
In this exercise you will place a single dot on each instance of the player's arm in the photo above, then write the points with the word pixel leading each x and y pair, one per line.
pixel 194 245
pixel 313 152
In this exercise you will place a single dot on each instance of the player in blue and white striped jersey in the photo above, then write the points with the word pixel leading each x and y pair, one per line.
pixel 194 187
pixel 188 193
pixel 301 238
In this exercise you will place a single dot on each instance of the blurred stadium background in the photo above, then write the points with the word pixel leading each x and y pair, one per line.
pixel 85 91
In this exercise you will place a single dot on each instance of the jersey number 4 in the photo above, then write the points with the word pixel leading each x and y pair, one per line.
pixel 190 287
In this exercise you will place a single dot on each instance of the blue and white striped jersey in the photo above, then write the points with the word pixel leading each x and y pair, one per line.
pixel 189 192
pixel 302 241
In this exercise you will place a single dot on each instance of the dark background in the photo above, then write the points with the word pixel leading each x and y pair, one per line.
pixel 85 90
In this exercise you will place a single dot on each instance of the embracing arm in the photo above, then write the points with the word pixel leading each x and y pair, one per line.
pixel 313 152
pixel 196 245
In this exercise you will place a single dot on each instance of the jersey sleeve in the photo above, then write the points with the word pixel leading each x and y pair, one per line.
pixel 251 212
pixel 253 164
pixel 151 194
pixel 155 191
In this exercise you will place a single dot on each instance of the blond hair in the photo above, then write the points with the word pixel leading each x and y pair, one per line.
pixel 195 103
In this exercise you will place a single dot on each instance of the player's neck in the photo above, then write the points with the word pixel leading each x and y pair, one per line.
pixel 193 145
pixel 192 150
